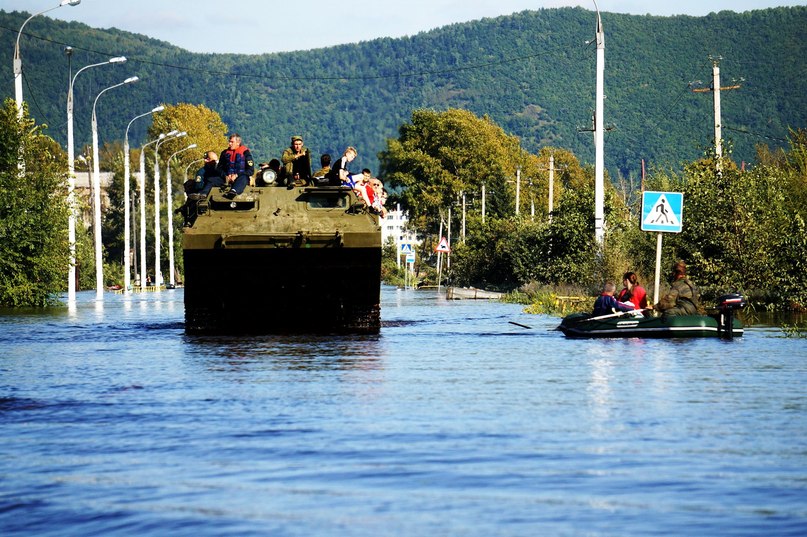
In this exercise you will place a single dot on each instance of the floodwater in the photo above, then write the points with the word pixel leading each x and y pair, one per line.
pixel 451 422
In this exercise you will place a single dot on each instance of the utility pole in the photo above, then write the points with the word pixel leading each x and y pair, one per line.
pixel 599 128
pixel 551 205
pixel 716 88
pixel 483 203
pixel 518 188
pixel 463 216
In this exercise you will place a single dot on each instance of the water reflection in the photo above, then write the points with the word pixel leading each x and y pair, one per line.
pixel 442 424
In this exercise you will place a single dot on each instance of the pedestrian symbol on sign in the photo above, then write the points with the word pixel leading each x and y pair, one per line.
pixel 662 211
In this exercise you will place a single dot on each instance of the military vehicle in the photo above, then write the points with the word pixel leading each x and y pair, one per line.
pixel 279 260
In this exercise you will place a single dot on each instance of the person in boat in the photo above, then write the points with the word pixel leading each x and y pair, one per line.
pixel 683 298
pixel 296 163
pixel 339 174
pixel 606 303
pixel 632 292
pixel 236 166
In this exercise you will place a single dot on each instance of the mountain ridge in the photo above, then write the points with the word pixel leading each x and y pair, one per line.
pixel 531 72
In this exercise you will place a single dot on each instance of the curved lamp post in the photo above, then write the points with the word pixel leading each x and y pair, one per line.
pixel 143 208
pixel 170 211
pixel 157 273
pixel 18 58
pixel 126 226
pixel 96 180
pixel 191 164
pixel 71 180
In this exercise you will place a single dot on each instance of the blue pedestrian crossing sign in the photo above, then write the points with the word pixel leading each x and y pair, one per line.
pixel 662 211
pixel 406 248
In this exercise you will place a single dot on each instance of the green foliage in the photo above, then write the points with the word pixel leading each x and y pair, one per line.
pixel 203 125
pixel 439 155
pixel 745 230
pixel 33 212
pixel 530 72
pixel 390 272
pixel 484 94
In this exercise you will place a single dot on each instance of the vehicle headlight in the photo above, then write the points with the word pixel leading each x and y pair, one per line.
pixel 269 177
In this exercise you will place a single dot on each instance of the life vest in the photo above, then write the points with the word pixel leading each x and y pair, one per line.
pixel 236 162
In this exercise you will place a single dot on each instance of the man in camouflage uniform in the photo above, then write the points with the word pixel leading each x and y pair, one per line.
pixel 296 163
pixel 683 298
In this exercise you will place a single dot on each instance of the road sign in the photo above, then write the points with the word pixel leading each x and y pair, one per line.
pixel 410 257
pixel 662 211
pixel 406 248
pixel 443 246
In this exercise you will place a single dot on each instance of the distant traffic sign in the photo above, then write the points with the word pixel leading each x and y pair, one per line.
pixel 406 248
pixel 662 211
pixel 443 246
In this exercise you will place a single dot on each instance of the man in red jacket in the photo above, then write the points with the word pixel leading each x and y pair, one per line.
pixel 236 166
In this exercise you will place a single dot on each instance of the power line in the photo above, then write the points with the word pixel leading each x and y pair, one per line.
pixel 36 103
pixel 755 134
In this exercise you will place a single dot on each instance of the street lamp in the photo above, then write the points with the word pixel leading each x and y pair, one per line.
pixel 71 180
pixel 191 164
pixel 126 195
pixel 170 211
pixel 157 273
pixel 96 179
pixel 18 58
pixel 143 208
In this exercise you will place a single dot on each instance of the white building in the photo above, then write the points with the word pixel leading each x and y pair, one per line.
pixel 394 225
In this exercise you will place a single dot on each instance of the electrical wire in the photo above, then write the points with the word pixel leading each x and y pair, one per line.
pixel 755 134
pixel 41 113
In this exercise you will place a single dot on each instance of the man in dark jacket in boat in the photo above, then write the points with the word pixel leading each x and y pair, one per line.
pixel 606 303
pixel 683 298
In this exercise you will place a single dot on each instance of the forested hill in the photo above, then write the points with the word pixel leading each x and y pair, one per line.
pixel 532 72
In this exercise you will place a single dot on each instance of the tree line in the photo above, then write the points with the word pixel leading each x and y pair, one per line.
pixel 744 228
pixel 531 72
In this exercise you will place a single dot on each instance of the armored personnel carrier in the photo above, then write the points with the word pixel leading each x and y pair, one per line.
pixel 278 260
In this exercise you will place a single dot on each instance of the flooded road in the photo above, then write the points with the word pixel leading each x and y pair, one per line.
pixel 452 421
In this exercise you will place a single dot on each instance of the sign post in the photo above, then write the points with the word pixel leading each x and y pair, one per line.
pixel 404 248
pixel 442 248
pixel 662 212
pixel 409 272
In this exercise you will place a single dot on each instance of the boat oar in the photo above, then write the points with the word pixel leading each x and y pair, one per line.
pixel 521 325
pixel 611 315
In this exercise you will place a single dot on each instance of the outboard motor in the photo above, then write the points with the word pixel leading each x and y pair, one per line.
pixel 726 305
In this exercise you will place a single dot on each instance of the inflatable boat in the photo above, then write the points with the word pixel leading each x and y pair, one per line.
pixel 722 323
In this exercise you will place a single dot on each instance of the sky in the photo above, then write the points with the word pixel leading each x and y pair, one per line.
pixel 264 26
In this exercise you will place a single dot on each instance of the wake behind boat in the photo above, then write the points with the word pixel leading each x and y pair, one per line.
pixel 626 325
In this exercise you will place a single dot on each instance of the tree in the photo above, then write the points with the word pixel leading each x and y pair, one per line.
pixel 203 125
pixel 205 129
pixel 441 154
pixel 745 231
pixel 33 212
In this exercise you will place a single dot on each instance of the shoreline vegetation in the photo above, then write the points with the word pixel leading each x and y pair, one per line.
pixel 743 227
